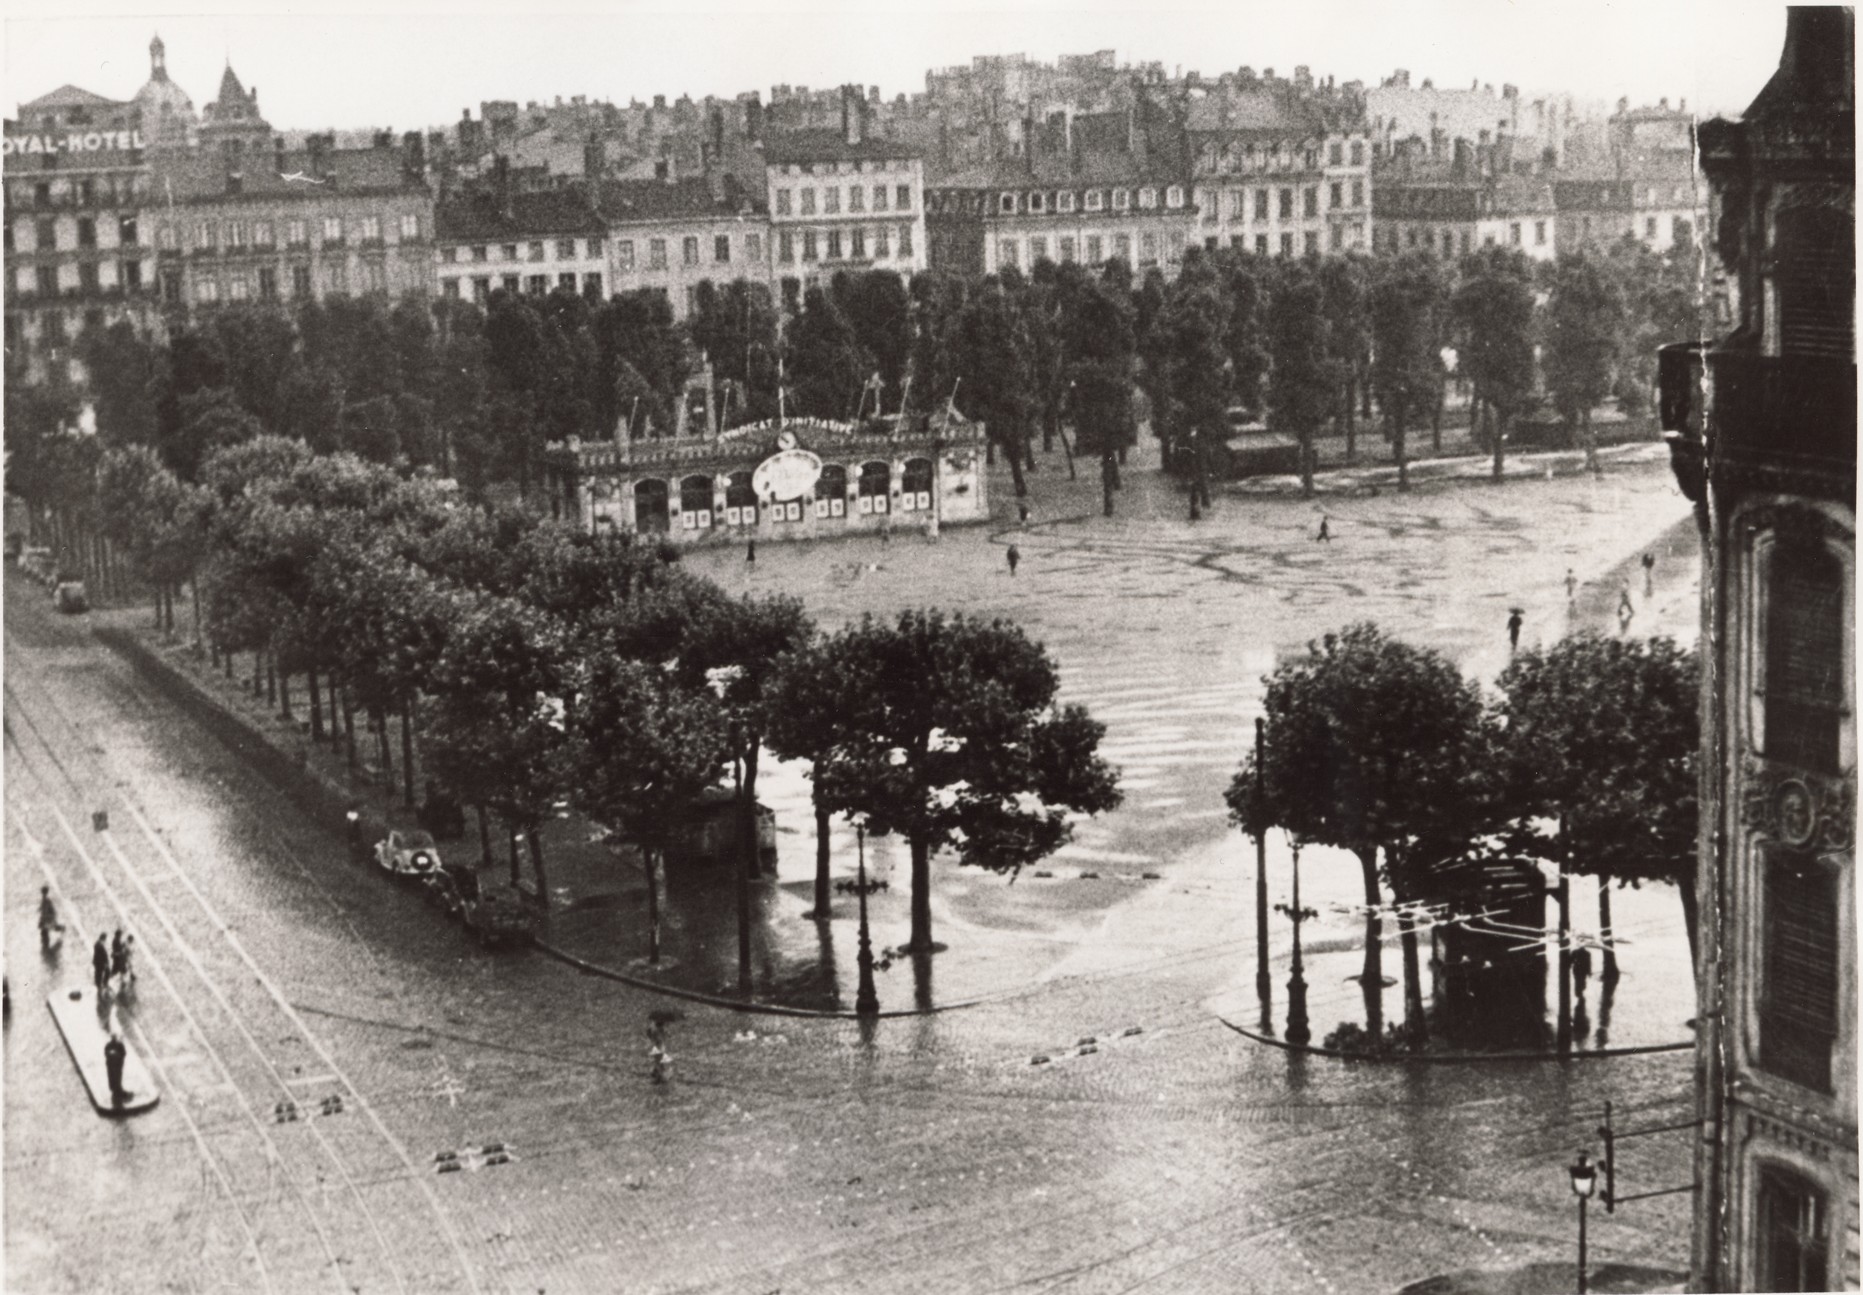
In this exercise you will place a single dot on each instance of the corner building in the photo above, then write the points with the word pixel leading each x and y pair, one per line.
pixel 1771 468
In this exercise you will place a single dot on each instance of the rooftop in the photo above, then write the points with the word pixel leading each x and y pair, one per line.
pixel 822 144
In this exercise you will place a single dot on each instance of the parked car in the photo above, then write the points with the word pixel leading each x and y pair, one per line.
pixel 411 854
pixel 68 597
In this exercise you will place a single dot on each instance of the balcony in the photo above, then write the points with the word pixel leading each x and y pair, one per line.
pixel 1788 410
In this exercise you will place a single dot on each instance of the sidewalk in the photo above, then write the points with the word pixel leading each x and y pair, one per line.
pixel 1550 1279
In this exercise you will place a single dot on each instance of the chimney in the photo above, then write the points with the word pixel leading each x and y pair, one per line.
pixel 1439 139
pixel 501 185
pixel 278 154
pixel 753 117
pixel 659 103
pixel 851 112
pixel 1460 167
pixel 1681 105
pixel 414 155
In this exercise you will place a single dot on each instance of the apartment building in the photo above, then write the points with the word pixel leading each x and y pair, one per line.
pixel 843 200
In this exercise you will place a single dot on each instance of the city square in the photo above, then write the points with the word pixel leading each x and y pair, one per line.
pixel 1095 677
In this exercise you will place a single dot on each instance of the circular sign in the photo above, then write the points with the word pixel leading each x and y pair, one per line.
pixel 785 440
pixel 787 474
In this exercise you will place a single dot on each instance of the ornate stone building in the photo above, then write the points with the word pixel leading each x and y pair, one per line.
pixel 1772 470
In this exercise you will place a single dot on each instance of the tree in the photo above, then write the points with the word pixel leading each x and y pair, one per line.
pixel 877 307
pixel 1249 278
pixel 1375 747
pixel 493 722
pixel 1189 329
pixel 828 365
pixel 1493 313
pixel 1102 351
pixel 736 326
pixel 1584 320
pixel 1301 385
pixel 640 750
pixel 1602 737
pixel 731 647
pixel 995 358
pixel 209 419
pixel 801 713
pixel 1407 305
pixel 946 730
pixel 1344 290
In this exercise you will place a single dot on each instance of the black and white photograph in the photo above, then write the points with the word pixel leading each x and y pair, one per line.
pixel 750 648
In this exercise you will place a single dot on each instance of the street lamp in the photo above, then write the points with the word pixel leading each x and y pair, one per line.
pixel 355 832
pixel 1264 984
pixel 1297 1027
pixel 866 1001
pixel 1584 1183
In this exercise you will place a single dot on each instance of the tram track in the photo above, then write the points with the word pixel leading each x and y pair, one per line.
pixel 341 1163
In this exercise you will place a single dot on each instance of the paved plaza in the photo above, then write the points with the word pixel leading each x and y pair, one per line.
pixel 926 1153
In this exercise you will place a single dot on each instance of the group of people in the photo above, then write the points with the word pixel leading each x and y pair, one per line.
pixel 111 967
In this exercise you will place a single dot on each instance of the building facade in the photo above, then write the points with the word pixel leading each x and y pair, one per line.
pixel 843 200
pixel 488 238
pixel 794 480
pixel 1451 212
pixel 1280 175
pixel 1772 470
pixel 77 246
pixel 1658 201
pixel 1085 189
pixel 670 236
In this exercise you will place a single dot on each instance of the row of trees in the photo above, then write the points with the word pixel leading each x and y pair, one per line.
pixel 532 665
pixel 1585 759
pixel 1310 344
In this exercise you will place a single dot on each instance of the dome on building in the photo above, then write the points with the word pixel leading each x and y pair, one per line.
pixel 167 112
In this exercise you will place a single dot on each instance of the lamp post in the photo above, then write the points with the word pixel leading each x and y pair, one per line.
pixel 866 1002
pixel 743 867
pixel 1297 1027
pixel 1584 1183
pixel 1264 984
pixel 355 833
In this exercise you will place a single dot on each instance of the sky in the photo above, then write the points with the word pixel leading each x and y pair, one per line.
pixel 413 63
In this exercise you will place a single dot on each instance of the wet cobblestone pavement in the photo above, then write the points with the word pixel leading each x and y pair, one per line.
pixel 923 1154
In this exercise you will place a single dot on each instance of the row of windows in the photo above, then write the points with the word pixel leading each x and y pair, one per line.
pixel 859 243
pixel 536 285
pixel 45 233
pixel 697 504
pixel 691 249
pixel 45 277
pixel 1097 248
pixel 264 284
pixel 1279 156
pixel 103 189
pixel 234 235
pixel 803 200
pixel 1279 203
pixel 534 250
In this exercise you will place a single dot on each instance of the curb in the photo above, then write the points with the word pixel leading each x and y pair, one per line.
pixel 1453 1058
pixel 328 800
pixel 736 1004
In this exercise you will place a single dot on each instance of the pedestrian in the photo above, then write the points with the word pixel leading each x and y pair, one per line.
pixel 750 553
pixel 114 1055
pixel 122 965
pixel 1015 558
pixel 1022 509
pixel 1571 586
pixel 1626 609
pixel 100 964
pixel 1514 621
pixel 656 1052
pixel 49 928
pixel 1649 574
pixel 1326 535
pixel 1581 969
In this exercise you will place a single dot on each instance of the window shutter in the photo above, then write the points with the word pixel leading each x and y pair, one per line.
pixel 1798 996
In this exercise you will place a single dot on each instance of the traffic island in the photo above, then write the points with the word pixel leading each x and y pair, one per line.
pixel 1550 1279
